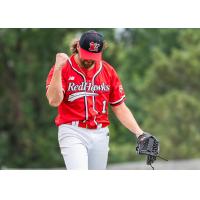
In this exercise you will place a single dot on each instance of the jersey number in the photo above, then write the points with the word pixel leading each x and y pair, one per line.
pixel 104 107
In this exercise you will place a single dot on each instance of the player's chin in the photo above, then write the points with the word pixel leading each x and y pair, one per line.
pixel 88 64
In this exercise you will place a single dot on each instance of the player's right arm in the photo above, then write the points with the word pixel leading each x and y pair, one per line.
pixel 55 90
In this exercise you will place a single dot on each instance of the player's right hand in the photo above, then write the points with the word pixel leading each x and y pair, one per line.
pixel 61 59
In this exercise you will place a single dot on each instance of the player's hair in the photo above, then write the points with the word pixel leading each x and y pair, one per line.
pixel 74 43
pixel 73 46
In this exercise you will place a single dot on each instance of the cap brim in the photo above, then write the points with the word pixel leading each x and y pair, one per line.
pixel 86 55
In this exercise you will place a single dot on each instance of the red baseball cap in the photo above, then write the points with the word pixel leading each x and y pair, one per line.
pixel 91 45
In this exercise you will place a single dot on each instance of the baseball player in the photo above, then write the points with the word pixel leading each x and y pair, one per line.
pixel 82 86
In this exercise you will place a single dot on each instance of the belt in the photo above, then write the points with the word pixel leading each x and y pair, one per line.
pixel 85 124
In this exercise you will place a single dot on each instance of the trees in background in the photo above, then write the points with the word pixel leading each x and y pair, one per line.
pixel 171 89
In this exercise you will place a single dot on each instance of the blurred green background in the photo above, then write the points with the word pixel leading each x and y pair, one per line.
pixel 159 69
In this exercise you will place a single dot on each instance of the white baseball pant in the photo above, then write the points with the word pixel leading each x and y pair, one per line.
pixel 84 148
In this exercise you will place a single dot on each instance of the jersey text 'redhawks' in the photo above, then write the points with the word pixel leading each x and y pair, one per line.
pixel 88 87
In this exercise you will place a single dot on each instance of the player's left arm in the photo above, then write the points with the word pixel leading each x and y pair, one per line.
pixel 126 117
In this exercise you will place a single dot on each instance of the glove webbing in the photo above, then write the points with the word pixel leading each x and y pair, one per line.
pixel 149 147
pixel 152 148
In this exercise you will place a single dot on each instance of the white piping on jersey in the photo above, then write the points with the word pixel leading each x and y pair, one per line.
pixel 118 100
pixel 77 95
pixel 93 101
pixel 85 96
pixel 86 104
pixel 69 61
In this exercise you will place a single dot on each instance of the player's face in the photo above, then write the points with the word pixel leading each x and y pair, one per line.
pixel 85 63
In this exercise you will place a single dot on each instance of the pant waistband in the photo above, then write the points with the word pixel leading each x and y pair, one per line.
pixel 85 124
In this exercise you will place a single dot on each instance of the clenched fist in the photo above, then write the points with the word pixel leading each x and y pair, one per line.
pixel 61 59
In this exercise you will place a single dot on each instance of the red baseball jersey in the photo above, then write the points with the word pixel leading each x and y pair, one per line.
pixel 87 93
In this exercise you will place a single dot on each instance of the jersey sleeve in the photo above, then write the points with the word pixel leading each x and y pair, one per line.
pixel 117 94
pixel 49 77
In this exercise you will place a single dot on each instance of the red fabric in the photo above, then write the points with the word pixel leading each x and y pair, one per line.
pixel 102 90
pixel 89 55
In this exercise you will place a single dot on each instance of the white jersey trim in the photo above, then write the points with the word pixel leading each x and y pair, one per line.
pixel 115 102
pixel 93 100
pixel 85 97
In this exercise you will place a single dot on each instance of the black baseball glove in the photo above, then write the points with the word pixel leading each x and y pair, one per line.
pixel 148 145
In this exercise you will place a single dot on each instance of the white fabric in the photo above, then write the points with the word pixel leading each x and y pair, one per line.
pixel 84 148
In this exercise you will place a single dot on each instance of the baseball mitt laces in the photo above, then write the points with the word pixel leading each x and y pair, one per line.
pixel 148 145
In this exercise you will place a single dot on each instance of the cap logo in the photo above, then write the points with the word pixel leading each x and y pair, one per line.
pixel 94 46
